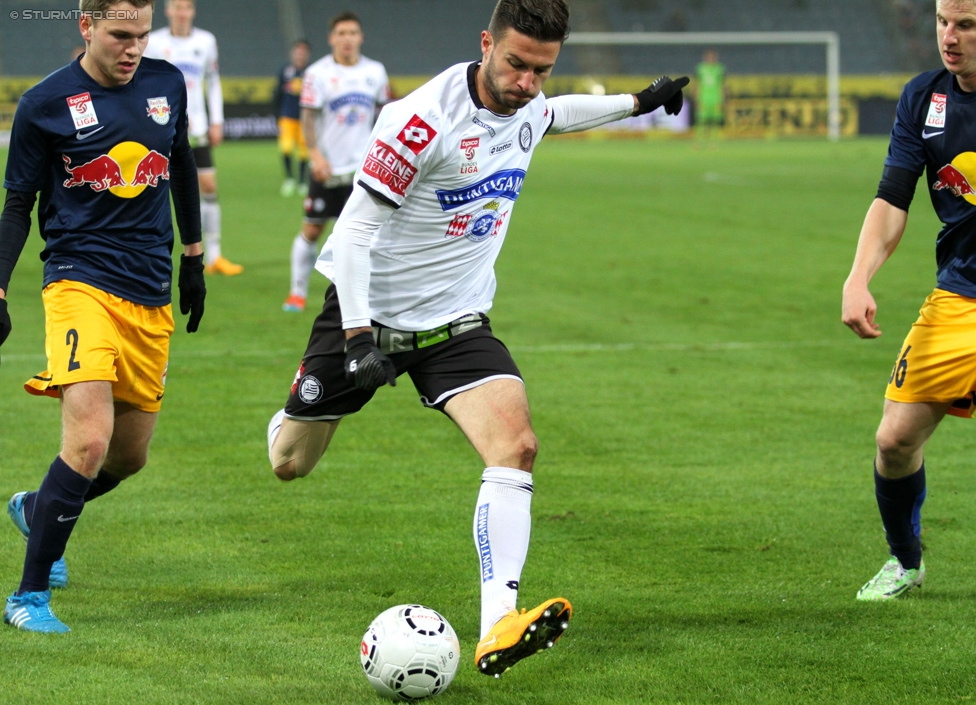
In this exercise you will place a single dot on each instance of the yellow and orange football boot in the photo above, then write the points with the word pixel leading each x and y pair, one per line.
pixel 517 636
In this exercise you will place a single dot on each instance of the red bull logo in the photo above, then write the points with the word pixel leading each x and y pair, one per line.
pixel 151 168
pixel 958 177
pixel 127 170
pixel 100 173
pixel 954 180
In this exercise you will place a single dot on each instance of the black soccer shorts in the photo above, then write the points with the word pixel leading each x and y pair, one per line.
pixel 324 202
pixel 466 356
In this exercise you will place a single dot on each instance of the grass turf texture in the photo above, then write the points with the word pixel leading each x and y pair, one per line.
pixel 704 492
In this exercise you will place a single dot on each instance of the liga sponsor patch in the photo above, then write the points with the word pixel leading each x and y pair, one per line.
pixel 82 110
pixel 937 111
pixel 389 168
pixel 416 135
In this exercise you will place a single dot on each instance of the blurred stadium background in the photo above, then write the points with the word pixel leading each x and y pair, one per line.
pixel 777 90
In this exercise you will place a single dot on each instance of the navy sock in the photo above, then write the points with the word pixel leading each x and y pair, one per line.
pixel 102 484
pixel 302 170
pixel 900 503
pixel 29 507
pixel 286 158
pixel 57 505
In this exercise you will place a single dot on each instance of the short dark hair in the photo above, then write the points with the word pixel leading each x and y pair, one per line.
pixel 346 16
pixel 542 20
pixel 100 7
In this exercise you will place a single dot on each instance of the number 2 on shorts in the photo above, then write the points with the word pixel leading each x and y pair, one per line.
pixel 72 340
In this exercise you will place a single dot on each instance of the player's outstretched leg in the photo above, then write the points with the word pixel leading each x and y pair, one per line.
pixel 892 581
pixel 15 508
pixel 31 612
pixel 516 636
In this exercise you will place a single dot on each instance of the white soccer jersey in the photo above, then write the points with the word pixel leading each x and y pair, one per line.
pixel 196 57
pixel 452 170
pixel 348 98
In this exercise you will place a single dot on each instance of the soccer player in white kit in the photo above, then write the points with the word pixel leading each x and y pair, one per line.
pixel 194 52
pixel 341 94
pixel 412 260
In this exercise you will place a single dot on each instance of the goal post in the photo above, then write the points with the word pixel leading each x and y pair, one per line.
pixel 830 41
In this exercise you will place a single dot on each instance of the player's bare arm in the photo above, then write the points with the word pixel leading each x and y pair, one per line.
pixel 319 165
pixel 883 228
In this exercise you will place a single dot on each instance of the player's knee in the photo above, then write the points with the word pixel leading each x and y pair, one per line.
pixel 524 450
pixel 286 472
pixel 294 468
pixel 125 466
pixel 298 448
pixel 896 449
pixel 87 455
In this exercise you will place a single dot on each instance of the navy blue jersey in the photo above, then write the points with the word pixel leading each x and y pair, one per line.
pixel 100 159
pixel 288 92
pixel 935 131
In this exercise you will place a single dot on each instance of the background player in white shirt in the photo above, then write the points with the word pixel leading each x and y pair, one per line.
pixel 341 94
pixel 412 261
pixel 194 52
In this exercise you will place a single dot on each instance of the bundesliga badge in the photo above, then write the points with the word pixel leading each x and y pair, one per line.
pixel 937 111
pixel 469 155
pixel 82 110
pixel 158 110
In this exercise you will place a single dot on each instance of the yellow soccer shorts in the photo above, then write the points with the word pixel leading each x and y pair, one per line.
pixel 92 335
pixel 289 135
pixel 937 362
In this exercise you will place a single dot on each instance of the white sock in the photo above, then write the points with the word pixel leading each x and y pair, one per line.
pixel 210 220
pixel 502 522
pixel 274 426
pixel 303 256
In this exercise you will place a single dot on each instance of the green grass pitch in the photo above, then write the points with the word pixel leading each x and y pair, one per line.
pixel 703 489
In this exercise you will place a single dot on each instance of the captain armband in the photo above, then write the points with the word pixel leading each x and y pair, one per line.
pixel 897 187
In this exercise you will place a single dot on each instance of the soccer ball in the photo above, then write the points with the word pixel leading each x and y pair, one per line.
pixel 410 652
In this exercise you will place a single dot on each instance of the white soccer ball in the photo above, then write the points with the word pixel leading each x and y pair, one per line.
pixel 410 652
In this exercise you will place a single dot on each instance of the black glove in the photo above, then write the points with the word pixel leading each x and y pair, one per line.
pixel 664 92
pixel 193 290
pixel 5 326
pixel 366 365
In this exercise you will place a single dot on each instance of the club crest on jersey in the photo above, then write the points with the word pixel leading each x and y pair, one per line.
pixel 525 137
pixel 469 155
pixel 937 111
pixel 479 226
pixel 158 110
pixel 82 110
pixel 416 135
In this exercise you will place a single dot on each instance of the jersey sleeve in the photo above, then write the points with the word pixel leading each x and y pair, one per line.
pixel 574 113
pixel 401 146
pixel 906 149
pixel 29 156
pixel 313 91
pixel 383 95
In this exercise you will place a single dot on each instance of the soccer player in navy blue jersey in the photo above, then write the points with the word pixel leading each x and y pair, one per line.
pixel 934 373
pixel 104 141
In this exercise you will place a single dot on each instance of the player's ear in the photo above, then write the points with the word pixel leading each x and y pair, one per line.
pixel 486 43
pixel 85 26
